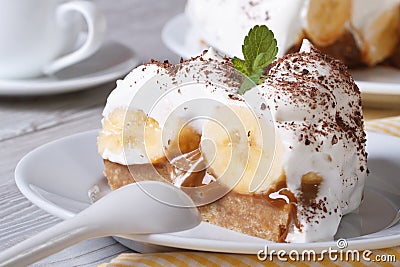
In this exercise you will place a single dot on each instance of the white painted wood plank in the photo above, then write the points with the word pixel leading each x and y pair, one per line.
pixel 16 148
pixel 29 122
pixel 20 219
pixel 91 253
pixel 22 116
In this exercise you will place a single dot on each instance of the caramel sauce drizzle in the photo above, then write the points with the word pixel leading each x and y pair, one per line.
pixel 187 150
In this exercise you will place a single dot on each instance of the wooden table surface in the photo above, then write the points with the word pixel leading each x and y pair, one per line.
pixel 27 123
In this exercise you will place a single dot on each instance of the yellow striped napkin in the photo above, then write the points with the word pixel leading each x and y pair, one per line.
pixel 387 125
pixel 381 257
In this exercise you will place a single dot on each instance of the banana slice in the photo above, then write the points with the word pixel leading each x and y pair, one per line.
pixel 237 153
pixel 381 37
pixel 127 129
pixel 326 20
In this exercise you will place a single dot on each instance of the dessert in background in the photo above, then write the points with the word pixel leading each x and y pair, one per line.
pixel 316 146
pixel 358 32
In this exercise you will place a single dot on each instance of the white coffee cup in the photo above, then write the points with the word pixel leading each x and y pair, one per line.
pixel 38 36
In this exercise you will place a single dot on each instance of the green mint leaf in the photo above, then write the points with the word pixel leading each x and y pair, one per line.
pixel 263 60
pixel 240 65
pixel 256 76
pixel 259 40
pixel 251 81
pixel 246 85
pixel 259 50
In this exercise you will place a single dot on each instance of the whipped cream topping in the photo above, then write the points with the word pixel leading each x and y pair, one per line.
pixel 317 110
pixel 168 106
pixel 224 23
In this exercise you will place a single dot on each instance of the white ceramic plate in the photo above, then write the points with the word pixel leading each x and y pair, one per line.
pixel 181 37
pixel 112 61
pixel 57 176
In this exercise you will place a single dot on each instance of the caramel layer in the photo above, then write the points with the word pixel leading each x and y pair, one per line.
pixel 344 48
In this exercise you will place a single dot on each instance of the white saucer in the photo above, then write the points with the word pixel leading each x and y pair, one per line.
pixel 378 85
pixel 112 61
pixel 180 36
pixel 57 176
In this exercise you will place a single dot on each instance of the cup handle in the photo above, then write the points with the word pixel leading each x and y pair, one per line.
pixel 96 31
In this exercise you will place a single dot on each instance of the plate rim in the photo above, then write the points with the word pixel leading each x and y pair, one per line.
pixel 165 239
pixel 40 87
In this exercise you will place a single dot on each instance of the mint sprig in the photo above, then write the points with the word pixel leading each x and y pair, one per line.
pixel 259 50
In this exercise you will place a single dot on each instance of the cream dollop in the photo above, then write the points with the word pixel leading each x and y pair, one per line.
pixel 317 110
pixel 152 88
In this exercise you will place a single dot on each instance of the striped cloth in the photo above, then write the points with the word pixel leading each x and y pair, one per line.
pixel 188 259
pixel 381 257
pixel 387 125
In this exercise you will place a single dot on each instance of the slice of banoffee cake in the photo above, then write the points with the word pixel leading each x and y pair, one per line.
pixel 285 167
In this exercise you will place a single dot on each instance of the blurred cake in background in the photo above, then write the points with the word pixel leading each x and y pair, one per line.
pixel 358 32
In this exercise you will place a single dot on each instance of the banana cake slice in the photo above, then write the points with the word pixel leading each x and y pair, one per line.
pixel 286 167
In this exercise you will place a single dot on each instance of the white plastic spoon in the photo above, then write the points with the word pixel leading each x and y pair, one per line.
pixel 140 208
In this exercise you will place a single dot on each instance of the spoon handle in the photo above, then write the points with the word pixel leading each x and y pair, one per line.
pixel 48 242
